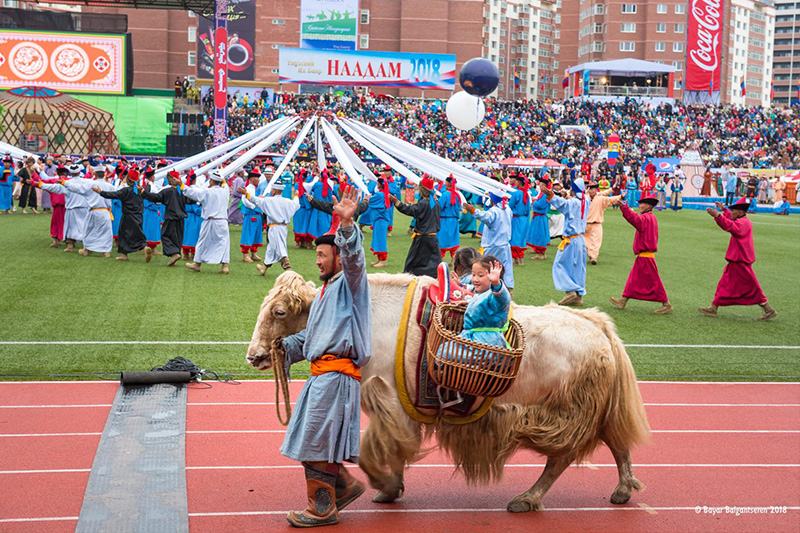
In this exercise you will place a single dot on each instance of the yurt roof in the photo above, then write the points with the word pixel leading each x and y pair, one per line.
pixel 44 101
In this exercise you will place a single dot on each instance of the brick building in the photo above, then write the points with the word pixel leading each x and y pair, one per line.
pixel 786 54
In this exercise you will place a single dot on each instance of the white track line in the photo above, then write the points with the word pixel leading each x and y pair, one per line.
pixel 245 343
pixel 268 381
pixel 431 466
pixel 647 509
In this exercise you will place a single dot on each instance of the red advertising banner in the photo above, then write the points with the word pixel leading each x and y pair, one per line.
pixel 704 45
pixel 72 62
pixel 221 68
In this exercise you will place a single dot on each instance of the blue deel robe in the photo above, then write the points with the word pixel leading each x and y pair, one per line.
pixel 380 222
pixel 496 238
pixel 783 207
pixel 301 217
pixel 519 223
pixel 286 181
pixel 632 194
pixel 449 238
pixel 252 227
pixel 466 222
pixel 192 223
pixel 394 190
pixel 487 310
pixel 151 222
pixel 569 265
pixel 318 222
pixel 539 230
pixel 366 217
pixel 116 213
pixel 325 423
pixel 7 180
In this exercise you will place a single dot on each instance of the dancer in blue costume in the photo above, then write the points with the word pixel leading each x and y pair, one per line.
pixel 486 316
pixel 538 229
pixel 252 237
pixel 7 179
pixel 318 222
pixel 151 220
pixel 632 192
pixel 496 239
pixel 569 266
pixel 302 216
pixel 466 222
pixel 520 205
pixel 395 190
pixel 366 217
pixel 449 212
pixel 379 202
pixel 193 221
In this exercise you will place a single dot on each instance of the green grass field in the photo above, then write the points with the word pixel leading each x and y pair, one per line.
pixel 48 295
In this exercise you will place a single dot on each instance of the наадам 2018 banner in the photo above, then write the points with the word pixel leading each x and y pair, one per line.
pixel 328 24
pixel 72 62
pixel 376 69
pixel 704 45
pixel 241 41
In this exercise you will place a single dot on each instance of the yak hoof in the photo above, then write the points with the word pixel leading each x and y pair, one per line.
pixel 621 496
pixel 386 497
pixel 524 504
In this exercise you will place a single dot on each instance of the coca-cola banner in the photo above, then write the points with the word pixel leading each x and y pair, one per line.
pixel 704 45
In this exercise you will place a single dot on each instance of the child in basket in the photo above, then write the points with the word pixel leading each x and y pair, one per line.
pixel 486 317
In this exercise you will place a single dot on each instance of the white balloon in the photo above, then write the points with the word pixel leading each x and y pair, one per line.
pixel 465 111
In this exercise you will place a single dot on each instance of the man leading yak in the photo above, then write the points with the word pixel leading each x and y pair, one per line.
pixel 324 430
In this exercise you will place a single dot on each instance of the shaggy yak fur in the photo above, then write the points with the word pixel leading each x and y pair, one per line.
pixel 576 389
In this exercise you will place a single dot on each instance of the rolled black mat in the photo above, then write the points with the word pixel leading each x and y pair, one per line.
pixel 150 378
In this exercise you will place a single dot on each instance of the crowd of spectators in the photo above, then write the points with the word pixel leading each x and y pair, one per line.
pixel 741 137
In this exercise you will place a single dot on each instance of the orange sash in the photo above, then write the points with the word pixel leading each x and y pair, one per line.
pixel 646 254
pixel 331 363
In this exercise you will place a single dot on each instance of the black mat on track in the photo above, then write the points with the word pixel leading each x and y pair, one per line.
pixel 138 478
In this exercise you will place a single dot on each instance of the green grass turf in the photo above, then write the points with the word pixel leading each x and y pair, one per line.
pixel 48 295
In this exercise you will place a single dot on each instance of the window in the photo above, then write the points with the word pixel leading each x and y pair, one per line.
pixel 277 46
pixel 191 14
pixel 677 47
pixel 660 47
pixel 10 3
pixel 629 9
pixel 661 27
pixel 364 16
pixel 513 49
pixel 274 71
pixel 192 34
pixel 363 42
pixel 545 40
pixel 678 28
pixel 661 9
pixel 278 22
pixel 598 9
pixel 598 28
pixel 678 65
pixel 544 53
pixel 680 9
pixel 628 28
pixel 597 46
pixel 191 58
pixel 627 46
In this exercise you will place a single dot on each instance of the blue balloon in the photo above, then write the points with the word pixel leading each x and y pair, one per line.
pixel 479 77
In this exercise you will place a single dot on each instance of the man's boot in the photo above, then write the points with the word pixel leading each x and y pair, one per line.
pixel 224 268
pixel 569 298
pixel 254 256
pixel 619 303
pixel 708 311
pixel 193 266
pixel 348 488
pixel 148 254
pixel 262 268
pixel 70 246
pixel 84 252
pixel 321 510
pixel 246 258
pixel 665 309
pixel 769 312
pixel 285 264
pixel 173 259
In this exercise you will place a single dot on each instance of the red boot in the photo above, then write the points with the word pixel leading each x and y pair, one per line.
pixel 321 510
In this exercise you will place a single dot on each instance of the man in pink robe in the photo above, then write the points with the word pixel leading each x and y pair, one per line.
pixel 738 285
pixel 644 282
pixel 58 202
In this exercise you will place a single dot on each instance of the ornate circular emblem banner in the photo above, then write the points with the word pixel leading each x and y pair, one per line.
pixel 72 62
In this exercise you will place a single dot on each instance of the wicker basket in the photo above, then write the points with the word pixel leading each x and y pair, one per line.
pixel 482 369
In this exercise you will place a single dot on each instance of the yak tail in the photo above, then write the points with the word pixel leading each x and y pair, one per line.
pixel 390 439
pixel 626 422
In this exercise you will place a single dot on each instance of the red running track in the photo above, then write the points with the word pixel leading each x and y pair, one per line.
pixel 714 446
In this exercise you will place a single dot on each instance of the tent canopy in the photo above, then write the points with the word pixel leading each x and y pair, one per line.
pixel 623 67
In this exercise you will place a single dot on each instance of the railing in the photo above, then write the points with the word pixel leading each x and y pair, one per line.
pixel 609 90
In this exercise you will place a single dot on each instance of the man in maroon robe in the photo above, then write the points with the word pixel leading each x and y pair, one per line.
pixel 644 282
pixel 738 285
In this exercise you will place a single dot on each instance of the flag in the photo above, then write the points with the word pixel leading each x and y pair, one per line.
pixel 680 82
pixel 544 78
pixel 771 88
pixel 565 80
pixel 516 79
pixel 742 86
